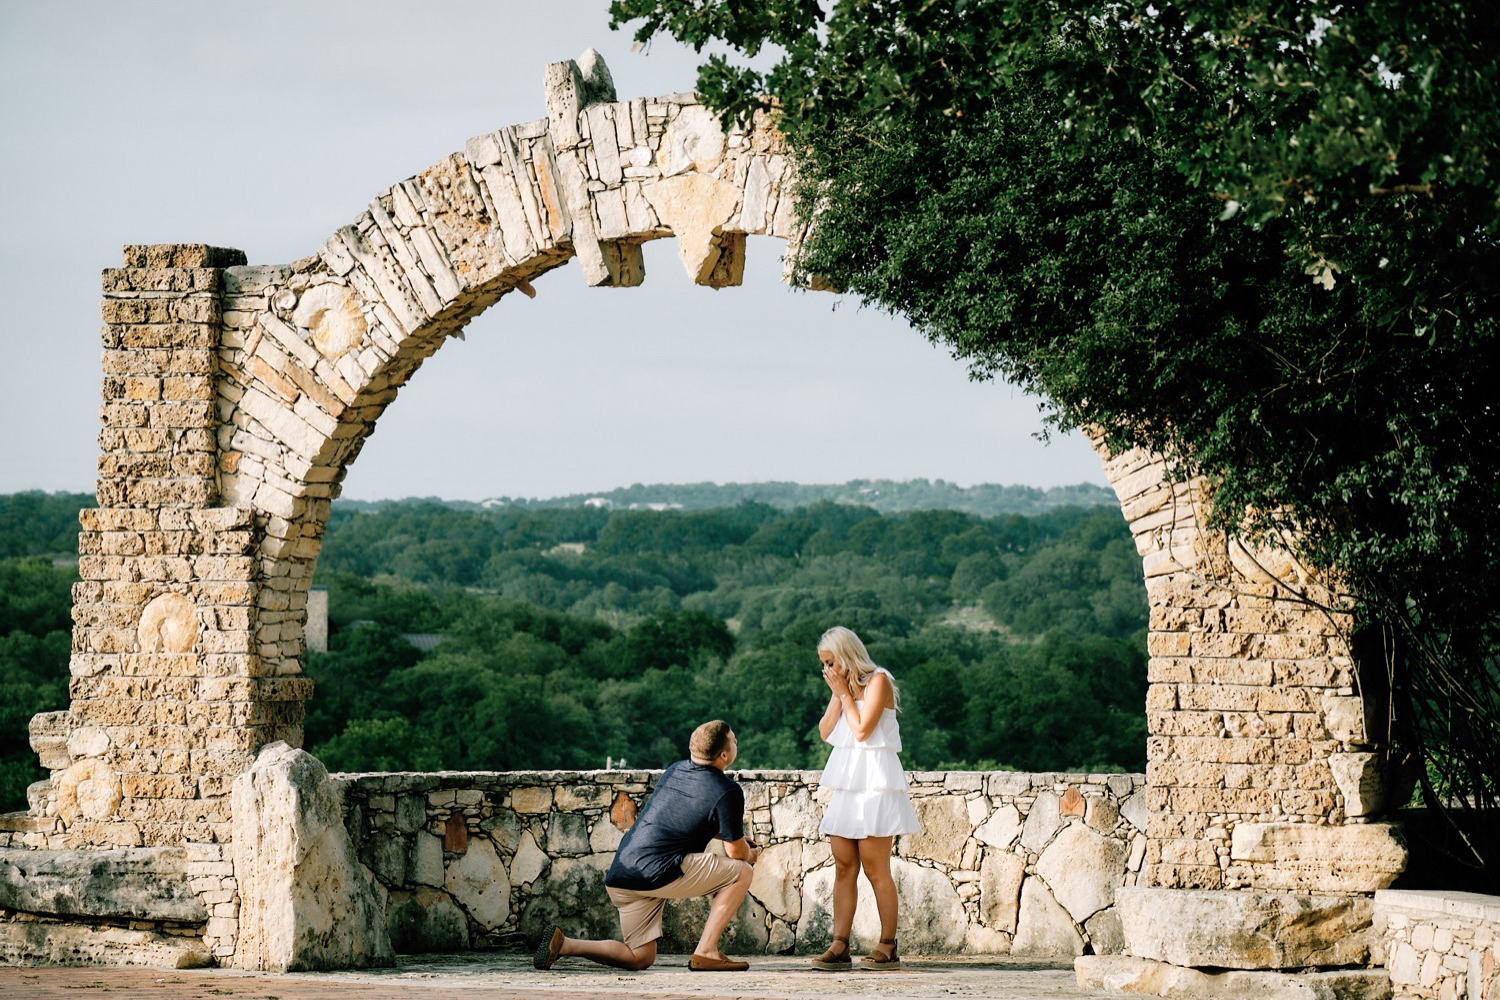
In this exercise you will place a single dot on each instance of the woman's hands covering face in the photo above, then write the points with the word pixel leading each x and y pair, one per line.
pixel 835 678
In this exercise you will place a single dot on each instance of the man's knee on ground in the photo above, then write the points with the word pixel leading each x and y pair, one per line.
pixel 642 957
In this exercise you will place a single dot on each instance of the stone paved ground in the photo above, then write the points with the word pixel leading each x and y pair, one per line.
pixel 468 977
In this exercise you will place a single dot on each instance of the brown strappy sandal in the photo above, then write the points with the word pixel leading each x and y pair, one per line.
pixel 882 957
pixel 830 961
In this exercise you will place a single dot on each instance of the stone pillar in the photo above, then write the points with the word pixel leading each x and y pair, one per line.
pixel 169 700
pixel 1261 775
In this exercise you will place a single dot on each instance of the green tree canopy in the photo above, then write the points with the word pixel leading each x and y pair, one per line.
pixel 1259 238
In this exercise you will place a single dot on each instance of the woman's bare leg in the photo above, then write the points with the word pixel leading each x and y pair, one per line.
pixel 845 883
pixel 875 859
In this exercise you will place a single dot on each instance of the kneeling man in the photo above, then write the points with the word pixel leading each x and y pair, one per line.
pixel 662 857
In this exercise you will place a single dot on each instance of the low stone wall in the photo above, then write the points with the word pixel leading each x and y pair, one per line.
pixel 1005 862
pixel 1440 944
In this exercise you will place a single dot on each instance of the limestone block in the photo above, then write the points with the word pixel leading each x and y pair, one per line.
pixel 1002 828
pixel 1043 926
pixel 567 833
pixel 1042 821
pixel 411 812
pixel 169 624
pixel 1103 813
pixel 531 799
pixel 696 207
pixel 1082 868
pixel 1106 936
pixel 48 736
pixel 305 900
pixel 427 859
pixel 605 836
pixel 530 861
pixel 1246 930
pixel 796 816
pixel 142 883
pixel 1000 890
pixel 1344 718
pixel 945 830
pixel 1310 857
pixel 426 920
pixel 1361 780
pixel 1126 974
pixel 45 943
pixel 776 883
pixel 1136 810
pixel 478 882
pixel 984 941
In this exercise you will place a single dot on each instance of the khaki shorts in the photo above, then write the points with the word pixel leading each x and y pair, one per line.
pixel 641 909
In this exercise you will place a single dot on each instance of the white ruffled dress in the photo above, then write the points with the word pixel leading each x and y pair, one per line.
pixel 869 787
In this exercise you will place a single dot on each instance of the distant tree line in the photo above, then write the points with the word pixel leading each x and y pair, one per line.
pixel 884 495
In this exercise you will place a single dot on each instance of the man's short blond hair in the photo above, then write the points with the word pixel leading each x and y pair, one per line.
pixel 709 740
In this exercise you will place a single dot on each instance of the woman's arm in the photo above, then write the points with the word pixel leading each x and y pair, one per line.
pixel 862 723
pixel 830 717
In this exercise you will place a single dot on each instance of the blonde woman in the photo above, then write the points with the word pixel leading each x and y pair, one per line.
pixel 870 804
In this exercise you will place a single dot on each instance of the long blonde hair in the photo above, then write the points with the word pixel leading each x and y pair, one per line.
pixel 850 653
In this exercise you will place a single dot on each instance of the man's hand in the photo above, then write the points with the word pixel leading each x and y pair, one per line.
pixel 742 850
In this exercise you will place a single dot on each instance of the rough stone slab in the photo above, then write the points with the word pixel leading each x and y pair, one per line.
pixel 306 902
pixel 1313 858
pixel 1246 930
pixel 45 943
pixel 148 883
pixel 1124 974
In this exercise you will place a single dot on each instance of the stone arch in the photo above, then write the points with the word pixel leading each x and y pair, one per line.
pixel 313 352
pixel 237 396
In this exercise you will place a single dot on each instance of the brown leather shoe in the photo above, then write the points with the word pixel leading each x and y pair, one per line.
pixel 706 963
pixel 547 952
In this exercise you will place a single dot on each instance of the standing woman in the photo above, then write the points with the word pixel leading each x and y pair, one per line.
pixel 870 804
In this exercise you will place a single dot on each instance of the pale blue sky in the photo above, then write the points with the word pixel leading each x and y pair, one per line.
pixel 265 126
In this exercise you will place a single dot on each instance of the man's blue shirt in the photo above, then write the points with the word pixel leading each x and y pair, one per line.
pixel 692 804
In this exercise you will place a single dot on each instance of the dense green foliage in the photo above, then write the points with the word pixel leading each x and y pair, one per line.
pixel 35 624
pixel 571 636
pixel 40 524
pixel 35 639
pixel 1257 237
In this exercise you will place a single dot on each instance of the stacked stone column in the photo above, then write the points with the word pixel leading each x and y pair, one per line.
pixel 168 698
pixel 1262 775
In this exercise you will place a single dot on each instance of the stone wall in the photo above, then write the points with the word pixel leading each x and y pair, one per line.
pixel 1005 862
pixel 1440 945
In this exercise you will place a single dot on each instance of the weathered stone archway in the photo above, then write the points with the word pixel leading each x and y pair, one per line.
pixel 237 396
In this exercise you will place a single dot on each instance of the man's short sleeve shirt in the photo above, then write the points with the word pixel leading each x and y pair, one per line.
pixel 692 804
